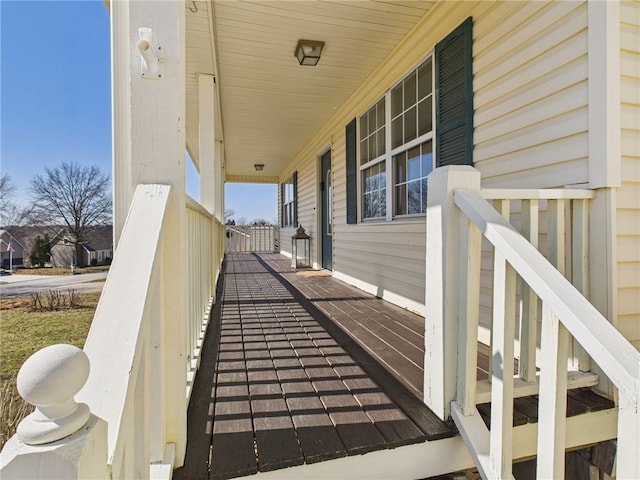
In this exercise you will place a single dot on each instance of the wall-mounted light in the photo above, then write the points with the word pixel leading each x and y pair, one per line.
pixel 151 56
pixel 259 167
pixel 308 52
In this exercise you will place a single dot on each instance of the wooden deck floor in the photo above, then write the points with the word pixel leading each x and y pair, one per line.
pixel 281 383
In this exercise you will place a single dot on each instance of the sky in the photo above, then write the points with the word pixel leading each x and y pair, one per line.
pixel 55 96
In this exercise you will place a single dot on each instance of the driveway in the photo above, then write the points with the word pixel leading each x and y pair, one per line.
pixel 20 285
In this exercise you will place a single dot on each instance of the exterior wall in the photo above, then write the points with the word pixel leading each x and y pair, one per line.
pixel 530 131
pixel 628 196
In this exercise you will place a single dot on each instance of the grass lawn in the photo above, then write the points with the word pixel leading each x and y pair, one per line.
pixel 22 333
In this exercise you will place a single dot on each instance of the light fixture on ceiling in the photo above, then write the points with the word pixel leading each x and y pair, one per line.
pixel 259 167
pixel 308 52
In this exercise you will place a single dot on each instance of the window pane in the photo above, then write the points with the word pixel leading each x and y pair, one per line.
pixel 415 198
pixel 364 127
pixel 396 132
pixel 413 163
pixel 372 120
pixel 364 152
pixel 410 90
pixel 401 167
pixel 425 116
pixel 383 177
pixel 410 126
pixel 382 203
pixel 372 147
pixel 401 200
pixel 427 158
pixel 396 101
pixel 380 141
pixel 380 113
pixel 424 195
pixel 424 79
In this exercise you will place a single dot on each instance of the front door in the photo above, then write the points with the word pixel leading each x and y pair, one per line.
pixel 326 209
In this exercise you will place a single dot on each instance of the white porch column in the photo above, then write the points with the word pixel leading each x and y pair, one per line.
pixel 207 141
pixel 442 284
pixel 149 148
pixel 605 162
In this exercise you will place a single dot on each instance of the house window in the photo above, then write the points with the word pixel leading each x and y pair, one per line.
pixel 411 170
pixel 423 122
pixel 372 161
pixel 289 202
pixel 405 159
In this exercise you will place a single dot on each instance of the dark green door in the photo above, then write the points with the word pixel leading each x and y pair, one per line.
pixel 326 211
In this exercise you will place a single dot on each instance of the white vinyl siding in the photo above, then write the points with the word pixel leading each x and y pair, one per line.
pixel 530 94
pixel 530 131
pixel 628 195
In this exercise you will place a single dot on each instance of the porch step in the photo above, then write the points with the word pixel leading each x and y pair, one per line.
pixel 475 428
pixel 525 409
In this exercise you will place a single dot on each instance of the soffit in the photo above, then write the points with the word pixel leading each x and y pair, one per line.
pixel 271 106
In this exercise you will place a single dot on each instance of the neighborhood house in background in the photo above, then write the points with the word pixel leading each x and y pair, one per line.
pixel 17 245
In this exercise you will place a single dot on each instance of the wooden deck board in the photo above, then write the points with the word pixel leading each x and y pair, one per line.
pixel 288 386
pixel 301 369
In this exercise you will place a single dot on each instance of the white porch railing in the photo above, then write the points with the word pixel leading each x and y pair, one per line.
pixel 204 259
pixel 458 217
pixel 142 350
pixel 253 238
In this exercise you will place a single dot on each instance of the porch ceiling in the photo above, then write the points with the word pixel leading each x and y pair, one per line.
pixel 271 106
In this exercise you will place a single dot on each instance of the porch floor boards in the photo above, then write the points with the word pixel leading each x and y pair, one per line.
pixel 281 383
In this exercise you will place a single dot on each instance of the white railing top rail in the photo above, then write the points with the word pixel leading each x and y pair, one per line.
pixel 112 342
pixel 238 230
pixel 619 360
pixel 537 194
pixel 195 205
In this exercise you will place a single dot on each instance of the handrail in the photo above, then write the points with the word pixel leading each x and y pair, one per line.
pixel 120 346
pixel 537 194
pixel 606 345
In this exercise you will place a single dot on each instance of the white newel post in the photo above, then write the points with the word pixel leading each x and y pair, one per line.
pixel 149 148
pixel 442 284
pixel 61 438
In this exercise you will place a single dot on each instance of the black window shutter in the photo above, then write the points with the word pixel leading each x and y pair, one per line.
pixel 352 168
pixel 295 199
pixel 454 97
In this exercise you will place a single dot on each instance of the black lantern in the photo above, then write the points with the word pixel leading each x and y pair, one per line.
pixel 300 249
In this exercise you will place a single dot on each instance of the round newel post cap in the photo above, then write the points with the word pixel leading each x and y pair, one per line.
pixel 49 380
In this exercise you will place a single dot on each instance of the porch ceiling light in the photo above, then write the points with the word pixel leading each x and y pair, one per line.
pixel 259 167
pixel 308 52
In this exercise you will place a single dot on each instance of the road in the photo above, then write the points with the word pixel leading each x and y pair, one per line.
pixel 16 286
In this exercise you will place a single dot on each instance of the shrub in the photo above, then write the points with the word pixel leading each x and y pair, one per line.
pixel 13 408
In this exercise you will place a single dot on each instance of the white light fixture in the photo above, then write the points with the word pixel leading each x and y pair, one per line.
pixel 308 52
pixel 151 56
pixel 259 167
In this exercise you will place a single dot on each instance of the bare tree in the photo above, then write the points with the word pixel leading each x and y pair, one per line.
pixel 73 195
pixel 10 213
pixel 7 188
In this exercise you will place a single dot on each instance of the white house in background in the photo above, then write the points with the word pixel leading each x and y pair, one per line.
pixel 11 250
pixel 373 150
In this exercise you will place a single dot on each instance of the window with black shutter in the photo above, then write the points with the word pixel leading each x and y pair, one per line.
pixel 430 124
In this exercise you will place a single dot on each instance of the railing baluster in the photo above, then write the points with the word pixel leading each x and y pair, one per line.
pixel 580 265
pixel 556 234
pixel 553 397
pixel 469 311
pixel 504 290
pixel 504 207
pixel 529 319
pixel 627 458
